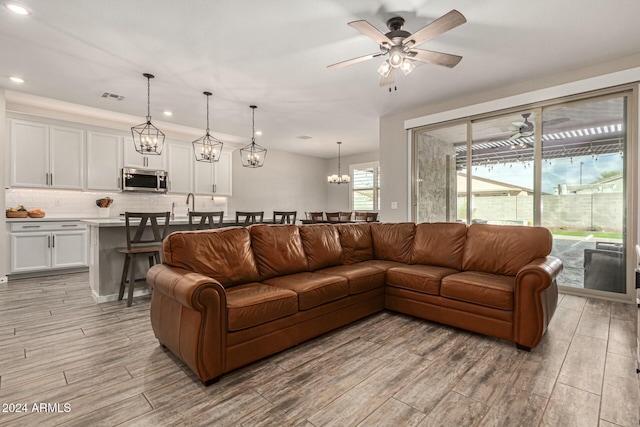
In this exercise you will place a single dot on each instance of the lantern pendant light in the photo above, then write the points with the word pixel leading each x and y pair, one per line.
pixel 147 138
pixel 338 179
pixel 253 155
pixel 207 149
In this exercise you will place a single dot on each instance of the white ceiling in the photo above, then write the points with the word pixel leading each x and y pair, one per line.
pixel 274 54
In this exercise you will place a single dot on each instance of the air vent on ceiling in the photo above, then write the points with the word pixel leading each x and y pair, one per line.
pixel 113 96
pixel 303 137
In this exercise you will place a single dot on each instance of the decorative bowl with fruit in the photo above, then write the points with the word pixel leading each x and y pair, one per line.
pixel 17 212
pixel 36 213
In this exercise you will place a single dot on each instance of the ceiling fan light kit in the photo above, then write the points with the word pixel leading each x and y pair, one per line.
pixel 207 148
pixel 253 155
pixel 147 138
pixel 399 45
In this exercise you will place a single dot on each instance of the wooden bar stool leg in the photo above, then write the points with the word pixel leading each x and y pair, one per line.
pixel 132 279
pixel 151 257
pixel 124 277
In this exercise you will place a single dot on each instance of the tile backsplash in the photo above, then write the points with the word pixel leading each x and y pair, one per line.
pixel 82 204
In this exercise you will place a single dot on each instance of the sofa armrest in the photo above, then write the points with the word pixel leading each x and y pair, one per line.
pixel 189 317
pixel 536 297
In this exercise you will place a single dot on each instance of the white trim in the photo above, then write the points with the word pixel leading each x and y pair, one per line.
pixel 409 177
pixel 567 89
pixel 114 297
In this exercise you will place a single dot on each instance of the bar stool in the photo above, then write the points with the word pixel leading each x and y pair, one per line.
pixel 138 244
pixel 315 216
pixel 361 216
pixel 284 217
pixel 345 216
pixel 207 220
pixel 246 218
pixel 333 216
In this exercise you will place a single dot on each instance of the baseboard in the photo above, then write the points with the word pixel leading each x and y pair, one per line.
pixel 114 297
pixel 4 279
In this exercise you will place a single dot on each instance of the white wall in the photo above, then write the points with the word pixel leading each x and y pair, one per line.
pixel 338 195
pixel 4 256
pixel 394 146
pixel 286 182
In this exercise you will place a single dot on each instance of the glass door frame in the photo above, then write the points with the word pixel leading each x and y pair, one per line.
pixel 632 166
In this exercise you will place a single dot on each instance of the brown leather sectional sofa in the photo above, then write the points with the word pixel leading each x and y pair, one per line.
pixel 227 297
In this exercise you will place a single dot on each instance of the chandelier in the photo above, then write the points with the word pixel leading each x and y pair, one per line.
pixel 207 148
pixel 338 179
pixel 253 155
pixel 147 138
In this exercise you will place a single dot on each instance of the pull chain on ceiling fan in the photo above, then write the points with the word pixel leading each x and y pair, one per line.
pixel 399 45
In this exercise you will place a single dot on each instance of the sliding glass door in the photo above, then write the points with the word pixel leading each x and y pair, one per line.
pixel 583 191
pixel 561 165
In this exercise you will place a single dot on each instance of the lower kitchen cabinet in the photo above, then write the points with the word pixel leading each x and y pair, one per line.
pixel 47 246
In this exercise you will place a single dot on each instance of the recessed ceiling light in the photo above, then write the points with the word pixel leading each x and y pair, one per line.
pixel 16 79
pixel 17 9
pixel 168 113
pixel 258 132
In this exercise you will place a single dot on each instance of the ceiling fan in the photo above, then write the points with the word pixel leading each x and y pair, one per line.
pixel 524 128
pixel 400 45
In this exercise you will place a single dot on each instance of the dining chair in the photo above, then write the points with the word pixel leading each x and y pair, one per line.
pixel 284 217
pixel 372 217
pixel 315 216
pixel 205 220
pixel 139 242
pixel 361 216
pixel 333 216
pixel 345 216
pixel 247 218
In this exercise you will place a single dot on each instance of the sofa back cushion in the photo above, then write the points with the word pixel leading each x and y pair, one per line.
pixel 356 242
pixel 393 242
pixel 440 244
pixel 321 243
pixel 278 250
pixel 504 249
pixel 223 254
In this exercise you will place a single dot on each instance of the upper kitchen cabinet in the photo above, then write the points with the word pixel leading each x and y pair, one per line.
pixel 179 167
pixel 46 156
pixel 133 159
pixel 103 161
pixel 214 178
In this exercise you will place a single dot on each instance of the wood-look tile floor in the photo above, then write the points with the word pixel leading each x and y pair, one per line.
pixel 103 362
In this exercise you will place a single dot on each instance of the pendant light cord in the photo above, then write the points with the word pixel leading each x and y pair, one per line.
pixel 148 99
pixel 207 114
pixel 339 144
pixel 253 126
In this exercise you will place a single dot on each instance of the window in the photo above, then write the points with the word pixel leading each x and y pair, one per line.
pixel 365 187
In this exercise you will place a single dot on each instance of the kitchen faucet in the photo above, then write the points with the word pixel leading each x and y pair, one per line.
pixel 193 201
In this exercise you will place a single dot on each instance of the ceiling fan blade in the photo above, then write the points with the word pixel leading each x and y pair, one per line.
pixel 385 81
pixel 433 57
pixel 441 25
pixel 353 61
pixel 515 136
pixel 370 31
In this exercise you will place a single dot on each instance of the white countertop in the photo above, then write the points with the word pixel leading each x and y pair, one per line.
pixel 106 222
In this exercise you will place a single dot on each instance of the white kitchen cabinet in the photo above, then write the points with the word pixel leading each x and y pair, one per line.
pixel 214 178
pixel 29 154
pixel 223 174
pixel 133 159
pixel 46 246
pixel 46 156
pixel 103 161
pixel 180 167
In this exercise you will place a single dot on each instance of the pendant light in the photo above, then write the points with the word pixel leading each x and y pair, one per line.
pixel 207 149
pixel 253 155
pixel 147 138
pixel 338 179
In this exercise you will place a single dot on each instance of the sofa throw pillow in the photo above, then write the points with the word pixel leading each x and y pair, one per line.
pixel 278 250
pixel 356 242
pixel 393 242
pixel 440 244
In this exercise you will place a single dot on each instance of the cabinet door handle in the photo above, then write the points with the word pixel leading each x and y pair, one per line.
pixel 51 179
pixel 53 238
pixel 48 241
pixel 68 225
pixel 30 226
pixel 46 178
pixel 118 179
pixel 169 185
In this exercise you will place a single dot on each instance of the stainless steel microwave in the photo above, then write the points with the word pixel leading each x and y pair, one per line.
pixel 144 180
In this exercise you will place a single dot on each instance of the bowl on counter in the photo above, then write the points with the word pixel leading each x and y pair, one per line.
pixel 17 214
pixel 34 215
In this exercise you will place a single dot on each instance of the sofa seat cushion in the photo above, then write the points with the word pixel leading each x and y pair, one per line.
pixel 252 304
pixel 382 264
pixel 420 278
pixel 313 289
pixel 491 290
pixel 361 278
